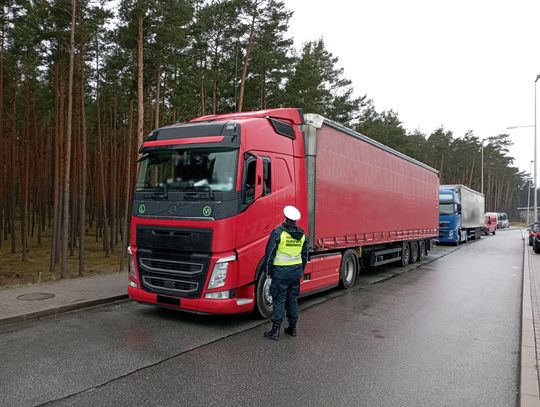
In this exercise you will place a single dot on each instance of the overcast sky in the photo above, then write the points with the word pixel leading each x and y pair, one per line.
pixel 463 65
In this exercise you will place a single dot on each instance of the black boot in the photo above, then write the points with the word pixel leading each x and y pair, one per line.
pixel 291 329
pixel 273 333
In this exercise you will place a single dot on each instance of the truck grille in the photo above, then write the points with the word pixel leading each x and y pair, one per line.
pixel 444 224
pixel 181 276
pixel 158 283
pixel 171 266
pixel 173 261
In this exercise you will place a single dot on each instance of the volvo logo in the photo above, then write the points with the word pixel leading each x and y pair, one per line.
pixel 207 211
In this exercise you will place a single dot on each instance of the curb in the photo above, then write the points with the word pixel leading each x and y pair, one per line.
pixel 61 309
pixel 529 394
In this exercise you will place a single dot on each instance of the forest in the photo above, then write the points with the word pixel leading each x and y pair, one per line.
pixel 83 82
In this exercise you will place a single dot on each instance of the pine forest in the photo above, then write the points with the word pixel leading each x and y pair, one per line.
pixel 83 82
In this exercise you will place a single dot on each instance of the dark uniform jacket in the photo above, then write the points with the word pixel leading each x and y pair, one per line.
pixel 271 248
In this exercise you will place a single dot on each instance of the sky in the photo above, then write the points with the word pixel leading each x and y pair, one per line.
pixel 462 65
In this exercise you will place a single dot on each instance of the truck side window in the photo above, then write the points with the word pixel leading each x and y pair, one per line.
pixel 250 166
pixel 267 175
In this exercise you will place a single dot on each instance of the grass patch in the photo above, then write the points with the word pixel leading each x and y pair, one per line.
pixel 16 272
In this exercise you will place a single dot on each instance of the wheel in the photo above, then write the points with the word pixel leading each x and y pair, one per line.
pixel 405 253
pixel 348 269
pixel 263 297
pixel 536 246
pixel 414 252
pixel 421 249
pixel 494 232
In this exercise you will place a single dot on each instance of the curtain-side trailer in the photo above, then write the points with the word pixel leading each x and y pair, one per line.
pixel 210 191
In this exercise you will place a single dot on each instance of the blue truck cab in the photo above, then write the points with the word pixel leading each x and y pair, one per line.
pixel 449 217
pixel 461 214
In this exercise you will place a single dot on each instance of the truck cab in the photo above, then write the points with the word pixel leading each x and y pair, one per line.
pixel 450 230
pixel 208 194
pixel 461 214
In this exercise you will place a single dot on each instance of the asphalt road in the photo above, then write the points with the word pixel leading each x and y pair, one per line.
pixel 443 334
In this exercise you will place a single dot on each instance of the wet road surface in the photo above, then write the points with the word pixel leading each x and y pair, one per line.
pixel 443 334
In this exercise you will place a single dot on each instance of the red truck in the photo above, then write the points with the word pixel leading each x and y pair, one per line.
pixel 210 191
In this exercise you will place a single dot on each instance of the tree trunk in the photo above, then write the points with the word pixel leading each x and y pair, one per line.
pixel 13 175
pixel 67 156
pixel 84 143
pixel 125 235
pixel 246 64
pixel 140 93
pixel 158 95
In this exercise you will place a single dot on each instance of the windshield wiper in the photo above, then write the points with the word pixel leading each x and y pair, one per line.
pixel 158 194
pixel 197 195
pixel 206 188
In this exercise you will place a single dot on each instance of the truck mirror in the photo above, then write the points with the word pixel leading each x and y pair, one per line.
pixel 259 178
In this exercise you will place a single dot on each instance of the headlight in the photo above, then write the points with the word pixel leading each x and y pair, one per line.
pixel 131 263
pixel 451 234
pixel 219 274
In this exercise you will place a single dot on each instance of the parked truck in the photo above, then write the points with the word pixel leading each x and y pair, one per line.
pixel 461 214
pixel 209 192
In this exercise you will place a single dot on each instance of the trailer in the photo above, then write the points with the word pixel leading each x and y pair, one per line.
pixel 461 214
pixel 210 191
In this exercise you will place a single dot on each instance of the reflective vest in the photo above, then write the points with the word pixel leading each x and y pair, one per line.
pixel 289 250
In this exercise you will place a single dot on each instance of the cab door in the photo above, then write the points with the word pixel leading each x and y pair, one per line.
pixel 256 220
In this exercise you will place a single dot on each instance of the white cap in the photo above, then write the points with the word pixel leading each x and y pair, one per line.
pixel 291 213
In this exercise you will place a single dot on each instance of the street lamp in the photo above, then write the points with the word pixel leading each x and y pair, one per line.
pixel 535 183
pixel 531 125
pixel 529 194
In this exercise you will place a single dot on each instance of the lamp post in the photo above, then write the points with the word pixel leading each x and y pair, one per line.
pixel 535 184
pixel 529 195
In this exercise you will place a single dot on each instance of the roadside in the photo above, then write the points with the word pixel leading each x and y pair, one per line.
pixel 40 300
pixel 530 328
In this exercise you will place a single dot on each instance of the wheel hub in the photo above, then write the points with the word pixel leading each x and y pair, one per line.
pixel 266 291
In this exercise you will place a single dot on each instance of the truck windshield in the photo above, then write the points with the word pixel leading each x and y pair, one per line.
pixel 188 169
pixel 446 209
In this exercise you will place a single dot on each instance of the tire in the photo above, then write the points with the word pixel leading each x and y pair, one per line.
pixel 348 269
pixel 536 246
pixel 494 233
pixel 414 252
pixel 405 254
pixel 421 249
pixel 262 296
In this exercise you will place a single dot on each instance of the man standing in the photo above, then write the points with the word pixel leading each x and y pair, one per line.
pixel 285 261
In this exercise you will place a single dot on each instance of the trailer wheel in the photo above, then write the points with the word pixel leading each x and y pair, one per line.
pixel 263 297
pixel 421 249
pixel 493 232
pixel 414 252
pixel 348 269
pixel 405 253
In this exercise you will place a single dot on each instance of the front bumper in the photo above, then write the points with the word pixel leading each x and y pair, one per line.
pixel 198 305
pixel 448 236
